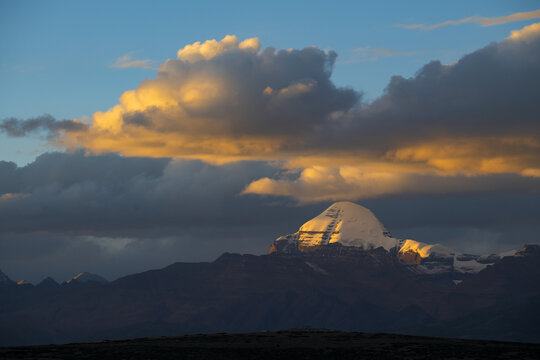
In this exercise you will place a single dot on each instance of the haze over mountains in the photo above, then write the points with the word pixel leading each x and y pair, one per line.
pixel 341 270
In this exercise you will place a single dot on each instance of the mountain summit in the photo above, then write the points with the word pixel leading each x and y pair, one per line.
pixel 343 223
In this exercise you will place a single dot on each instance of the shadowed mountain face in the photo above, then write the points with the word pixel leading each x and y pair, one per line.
pixel 337 287
pixel 5 280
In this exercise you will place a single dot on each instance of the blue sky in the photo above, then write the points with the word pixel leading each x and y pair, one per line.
pixel 56 56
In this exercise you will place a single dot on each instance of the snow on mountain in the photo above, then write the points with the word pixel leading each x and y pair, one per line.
pixel 433 258
pixel 425 250
pixel 350 225
pixel 344 223
pixel 86 277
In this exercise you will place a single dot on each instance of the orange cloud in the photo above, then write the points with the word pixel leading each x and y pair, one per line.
pixel 211 48
pixel 528 33
pixel 446 165
pixel 483 21
pixel 476 155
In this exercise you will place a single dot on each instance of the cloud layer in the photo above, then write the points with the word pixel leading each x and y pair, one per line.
pixel 89 194
pixel 449 128
pixel 228 100
pixel 114 215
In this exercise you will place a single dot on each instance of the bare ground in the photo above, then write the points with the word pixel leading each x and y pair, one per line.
pixel 297 344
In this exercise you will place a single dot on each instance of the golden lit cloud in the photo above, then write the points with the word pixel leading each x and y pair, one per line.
pixel 535 173
pixel 8 196
pixel 220 101
pixel 321 183
pixel 483 21
pixel 211 48
pixel 473 156
pixel 528 33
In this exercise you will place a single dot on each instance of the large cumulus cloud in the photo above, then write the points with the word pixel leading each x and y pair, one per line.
pixel 222 99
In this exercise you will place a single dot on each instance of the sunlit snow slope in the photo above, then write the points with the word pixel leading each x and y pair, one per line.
pixel 348 224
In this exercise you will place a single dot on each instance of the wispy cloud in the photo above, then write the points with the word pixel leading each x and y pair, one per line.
pixel 364 54
pixel 14 127
pixel 483 21
pixel 126 61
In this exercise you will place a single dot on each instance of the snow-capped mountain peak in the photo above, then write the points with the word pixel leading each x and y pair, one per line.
pixel 343 223
pixel 348 225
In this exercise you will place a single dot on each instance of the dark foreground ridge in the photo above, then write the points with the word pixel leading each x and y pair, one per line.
pixel 297 344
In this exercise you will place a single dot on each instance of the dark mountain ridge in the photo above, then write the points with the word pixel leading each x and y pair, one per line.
pixel 345 289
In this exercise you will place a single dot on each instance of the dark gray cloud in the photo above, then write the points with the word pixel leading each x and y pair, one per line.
pixel 276 92
pixel 478 117
pixel 114 215
pixel 35 256
pixel 488 92
pixel 92 193
pixel 46 123
pixel 115 195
